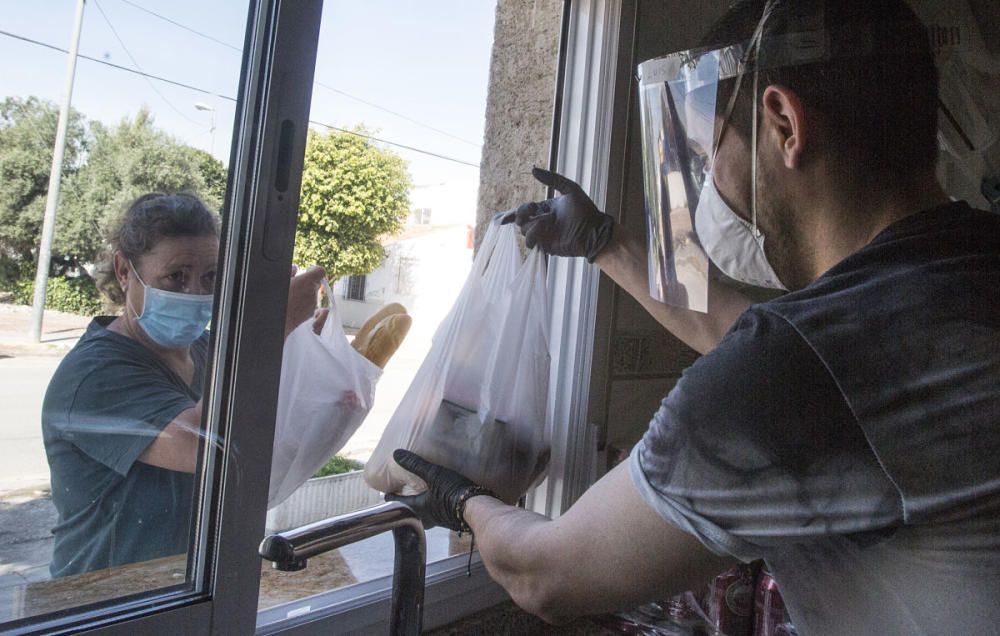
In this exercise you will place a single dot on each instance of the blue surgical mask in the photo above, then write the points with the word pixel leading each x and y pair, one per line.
pixel 172 319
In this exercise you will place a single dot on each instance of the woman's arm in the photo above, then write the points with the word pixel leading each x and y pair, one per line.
pixel 302 292
pixel 624 260
pixel 176 447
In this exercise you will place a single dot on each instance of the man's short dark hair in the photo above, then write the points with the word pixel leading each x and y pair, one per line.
pixel 876 92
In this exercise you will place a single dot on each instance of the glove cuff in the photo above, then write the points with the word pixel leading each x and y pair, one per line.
pixel 470 492
pixel 603 230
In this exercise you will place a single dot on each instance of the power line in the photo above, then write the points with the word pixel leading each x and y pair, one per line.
pixel 393 143
pixel 232 99
pixel 113 65
pixel 400 115
pixel 326 86
pixel 138 66
pixel 182 26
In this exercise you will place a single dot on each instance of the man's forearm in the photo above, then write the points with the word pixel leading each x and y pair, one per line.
pixel 513 548
pixel 624 260
pixel 609 551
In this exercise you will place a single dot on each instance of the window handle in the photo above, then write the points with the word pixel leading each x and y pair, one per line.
pixel 283 169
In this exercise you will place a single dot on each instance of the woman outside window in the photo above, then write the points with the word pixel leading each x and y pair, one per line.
pixel 122 415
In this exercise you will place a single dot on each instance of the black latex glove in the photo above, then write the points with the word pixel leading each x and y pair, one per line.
pixel 568 225
pixel 443 503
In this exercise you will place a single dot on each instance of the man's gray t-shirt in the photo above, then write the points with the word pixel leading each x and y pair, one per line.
pixel 106 403
pixel 849 435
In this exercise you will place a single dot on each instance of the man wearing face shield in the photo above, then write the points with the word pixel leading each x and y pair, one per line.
pixel 846 432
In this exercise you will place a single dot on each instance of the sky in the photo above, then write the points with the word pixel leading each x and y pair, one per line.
pixel 427 61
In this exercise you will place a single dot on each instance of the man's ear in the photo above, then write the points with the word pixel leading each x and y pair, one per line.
pixel 783 110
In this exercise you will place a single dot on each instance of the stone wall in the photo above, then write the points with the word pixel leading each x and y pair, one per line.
pixel 519 104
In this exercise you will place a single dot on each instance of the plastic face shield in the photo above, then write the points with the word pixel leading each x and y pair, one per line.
pixel 683 116
pixel 678 96
pixel 683 122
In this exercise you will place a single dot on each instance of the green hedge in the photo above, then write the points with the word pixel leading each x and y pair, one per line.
pixel 338 465
pixel 72 295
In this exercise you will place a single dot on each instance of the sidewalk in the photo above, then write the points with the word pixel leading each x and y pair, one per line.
pixel 25 370
pixel 26 511
pixel 60 331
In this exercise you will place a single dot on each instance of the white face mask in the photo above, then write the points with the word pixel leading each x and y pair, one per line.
pixel 734 245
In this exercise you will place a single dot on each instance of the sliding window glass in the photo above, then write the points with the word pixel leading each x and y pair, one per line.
pixel 390 190
pixel 103 445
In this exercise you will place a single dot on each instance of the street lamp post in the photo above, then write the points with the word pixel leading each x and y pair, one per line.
pixel 55 177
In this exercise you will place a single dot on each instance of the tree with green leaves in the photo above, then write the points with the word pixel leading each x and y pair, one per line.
pixel 27 135
pixel 353 193
pixel 126 161
pixel 213 174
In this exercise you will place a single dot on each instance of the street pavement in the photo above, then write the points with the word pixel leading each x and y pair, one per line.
pixel 26 512
pixel 25 370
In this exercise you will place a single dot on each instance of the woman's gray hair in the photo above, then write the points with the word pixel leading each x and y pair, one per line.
pixel 149 219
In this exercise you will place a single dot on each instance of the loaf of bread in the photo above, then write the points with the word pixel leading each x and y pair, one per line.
pixel 386 337
pixel 382 334
pixel 361 338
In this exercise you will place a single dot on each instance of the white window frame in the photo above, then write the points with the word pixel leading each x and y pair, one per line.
pixel 590 116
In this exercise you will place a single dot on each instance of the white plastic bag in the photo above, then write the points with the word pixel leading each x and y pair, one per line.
pixel 477 403
pixel 326 390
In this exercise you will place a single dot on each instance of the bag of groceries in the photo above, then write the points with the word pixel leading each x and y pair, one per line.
pixel 477 403
pixel 327 388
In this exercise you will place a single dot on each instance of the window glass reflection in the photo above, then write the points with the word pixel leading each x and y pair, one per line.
pixel 388 206
pixel 122 414
pixel 103 423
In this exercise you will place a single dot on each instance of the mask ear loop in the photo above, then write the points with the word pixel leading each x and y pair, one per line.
pixel 144 287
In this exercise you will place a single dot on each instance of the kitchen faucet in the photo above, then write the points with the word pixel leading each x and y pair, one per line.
pixel 290 550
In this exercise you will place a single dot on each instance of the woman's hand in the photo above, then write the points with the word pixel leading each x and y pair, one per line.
pixel 319 319
pixel 302 293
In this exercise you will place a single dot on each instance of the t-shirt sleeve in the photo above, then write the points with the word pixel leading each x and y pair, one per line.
pixel 756 446
pixel 118 410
